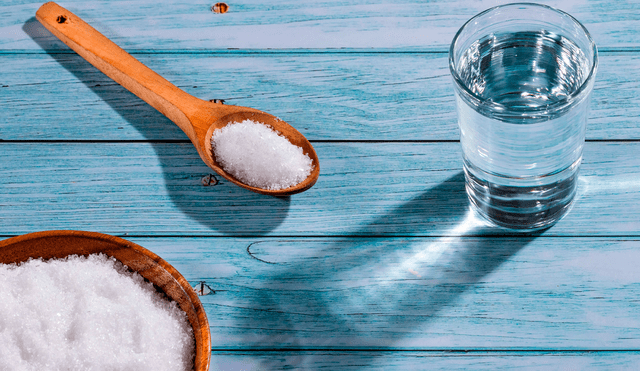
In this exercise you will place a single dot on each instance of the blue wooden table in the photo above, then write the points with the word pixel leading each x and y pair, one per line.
pixel 379 266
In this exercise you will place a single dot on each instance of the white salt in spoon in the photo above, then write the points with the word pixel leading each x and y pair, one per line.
pixel 196 117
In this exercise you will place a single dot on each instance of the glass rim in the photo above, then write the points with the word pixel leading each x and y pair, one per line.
pixel 498 107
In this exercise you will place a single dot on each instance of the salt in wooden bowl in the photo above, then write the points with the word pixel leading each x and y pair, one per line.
pixel 60 244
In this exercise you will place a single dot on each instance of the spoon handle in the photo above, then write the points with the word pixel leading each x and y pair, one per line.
pixel 119 65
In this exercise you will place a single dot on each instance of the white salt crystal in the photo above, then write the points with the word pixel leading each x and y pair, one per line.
pixel 88 314
pixel 259 156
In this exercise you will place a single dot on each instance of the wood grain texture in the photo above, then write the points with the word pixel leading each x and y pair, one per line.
pixel 254 24
pixel 384 189
pixel 305 360
pixel 544 294
pixel 326 97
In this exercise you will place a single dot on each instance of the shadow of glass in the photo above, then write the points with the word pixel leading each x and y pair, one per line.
pixel 380 292
pixel 224 207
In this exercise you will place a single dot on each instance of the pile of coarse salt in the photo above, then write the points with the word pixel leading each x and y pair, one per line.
pixel 259 156
pixel 88 313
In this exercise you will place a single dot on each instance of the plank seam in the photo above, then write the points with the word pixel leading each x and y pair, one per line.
pixel 173 141
pixel 327 51
pixel 407 350
pixel 273 237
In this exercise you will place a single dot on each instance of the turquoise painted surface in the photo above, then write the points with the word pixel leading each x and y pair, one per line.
pixel 255 24
pixel 379 265
pixel 415 293
pixel 379 189
pixel 343 96
pixel 253 361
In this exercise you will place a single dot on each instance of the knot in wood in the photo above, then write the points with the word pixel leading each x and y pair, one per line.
pixel 202 289
pixel 220 8
pixel 209 180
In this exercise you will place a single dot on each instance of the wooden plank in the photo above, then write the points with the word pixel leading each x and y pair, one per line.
pixel 364 189
pixel 327 97
pixel 525 294
pixel 255 24
pixel 548 295
pixel 305 360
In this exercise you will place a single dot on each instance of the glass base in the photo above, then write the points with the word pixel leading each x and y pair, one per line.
pixel 521 208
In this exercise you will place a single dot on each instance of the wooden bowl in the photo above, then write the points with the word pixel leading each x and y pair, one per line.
pixel 60 244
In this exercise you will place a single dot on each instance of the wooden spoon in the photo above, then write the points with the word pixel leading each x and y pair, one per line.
pixel 196 117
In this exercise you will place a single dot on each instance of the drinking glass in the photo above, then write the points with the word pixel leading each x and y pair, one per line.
pixel 523 76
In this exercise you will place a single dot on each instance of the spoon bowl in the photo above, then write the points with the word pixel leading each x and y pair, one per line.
pixel 239 114
pixel 196 117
